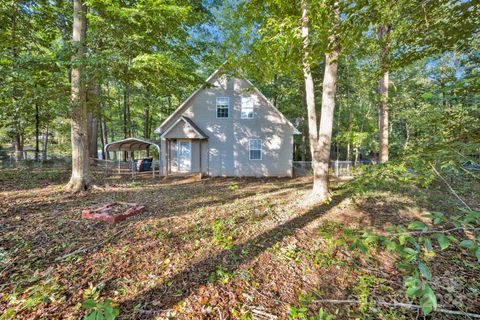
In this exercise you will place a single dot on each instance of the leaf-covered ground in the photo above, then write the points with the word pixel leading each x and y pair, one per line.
pixel 215 249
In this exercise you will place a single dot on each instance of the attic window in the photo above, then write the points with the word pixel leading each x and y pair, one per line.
pixel 247 108
pixel 255 148
pixel 222 107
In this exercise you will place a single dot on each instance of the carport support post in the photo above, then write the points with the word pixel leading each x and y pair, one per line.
pixel 133 168
pixel 118 165
pixel 153 168
pixel 336 168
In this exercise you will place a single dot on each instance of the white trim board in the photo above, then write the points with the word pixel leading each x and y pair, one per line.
pixel 176 122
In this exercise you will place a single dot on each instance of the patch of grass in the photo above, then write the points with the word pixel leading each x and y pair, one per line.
pixel 30 298
pixel 223 234
pixel 220 275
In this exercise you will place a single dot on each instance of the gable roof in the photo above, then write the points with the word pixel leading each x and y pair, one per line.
pixel 189 123
pixel 184 103
pixel 209 80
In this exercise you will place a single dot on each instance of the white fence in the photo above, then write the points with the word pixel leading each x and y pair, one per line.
pixel 127 167
pixel 108 167
pixel 7 159
pixel 337 168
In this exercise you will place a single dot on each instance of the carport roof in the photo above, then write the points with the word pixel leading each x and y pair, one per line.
pixel 131 144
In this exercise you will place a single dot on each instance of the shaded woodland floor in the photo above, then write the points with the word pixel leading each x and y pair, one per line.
pixel 213 249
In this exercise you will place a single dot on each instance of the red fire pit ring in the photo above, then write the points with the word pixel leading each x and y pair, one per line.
pixel 110 212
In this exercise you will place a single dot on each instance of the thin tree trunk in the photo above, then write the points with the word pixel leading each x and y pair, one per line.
pixel 146 122
pixel 350 127
pixel 407 136
pixel 103 130
pixel 18 147
pixel 309 86
pixel 350 113
pixel 93 122
pixel 383 91
pixel 92 136
pixel 126 119
pixel 17 139
pixel 337 145
pixel 37 133
pixel 80 179
pixel 112 138
pixel 125 113
pixel 45 144
pixel 303 154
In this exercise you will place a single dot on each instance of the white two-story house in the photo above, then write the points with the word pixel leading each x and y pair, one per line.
pixel 227 128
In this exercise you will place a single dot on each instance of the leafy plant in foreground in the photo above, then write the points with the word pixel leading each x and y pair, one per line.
pixel 415 248
pixel 100 310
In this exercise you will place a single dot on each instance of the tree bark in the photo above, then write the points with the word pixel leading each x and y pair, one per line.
pixel 383 92
pixel 80 179
pixel 93 122
pixel 320 139
pixel 322 149
pixel 303 154
pixel 146 124
pixel 309 87
pixel 126 118
pixel 92 135
pixel 103 130
pixel 17 138
pixel 45 144
pixel 37 133
pixel 18 143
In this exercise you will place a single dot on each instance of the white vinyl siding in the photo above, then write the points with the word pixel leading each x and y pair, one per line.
pixel 223 104
pixel 247 108
pixel 255 149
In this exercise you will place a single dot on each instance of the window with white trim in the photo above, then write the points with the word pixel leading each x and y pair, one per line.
pixel 222 107
pixel 247 108
pixel 255 149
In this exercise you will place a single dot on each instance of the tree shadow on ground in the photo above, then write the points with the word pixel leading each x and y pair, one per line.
pixel 59 216
pixel 176 288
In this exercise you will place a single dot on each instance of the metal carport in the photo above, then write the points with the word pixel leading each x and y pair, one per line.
pixel 134 144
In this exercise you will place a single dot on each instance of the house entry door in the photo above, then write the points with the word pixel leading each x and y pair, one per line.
pixel 184 155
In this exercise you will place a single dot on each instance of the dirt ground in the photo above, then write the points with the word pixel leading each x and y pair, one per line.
pixel 218 248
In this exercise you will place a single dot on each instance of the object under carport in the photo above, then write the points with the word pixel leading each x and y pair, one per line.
pixel 114 212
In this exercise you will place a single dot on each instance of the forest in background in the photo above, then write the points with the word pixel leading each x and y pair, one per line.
pixel 145 57
pixel 392 81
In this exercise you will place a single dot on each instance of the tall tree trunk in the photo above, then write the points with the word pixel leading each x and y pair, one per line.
pixel 320 184
pixel 37 133
pixel 309 87
pixel 103 128
pixel 17 138
pixel 350 128
pixel 146 123
pixel 80 179
pixel 103 131
pixel 18 147
pixel 92 135
pixel 126 118
pixel 45 144
pixel 93 122
pixel 383 92
pixel 303 154
pixel 320 139
pixel 125 113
